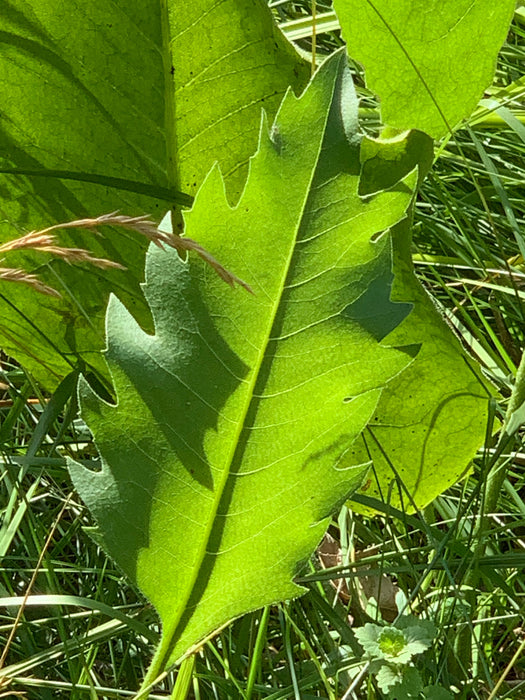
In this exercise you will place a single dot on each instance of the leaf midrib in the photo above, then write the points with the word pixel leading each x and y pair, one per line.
pixel 169 635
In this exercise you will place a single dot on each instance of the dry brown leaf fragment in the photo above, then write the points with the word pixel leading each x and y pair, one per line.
pixel 330 556
pixel 372 582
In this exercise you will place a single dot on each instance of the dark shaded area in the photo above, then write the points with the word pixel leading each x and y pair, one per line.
pixel 40 186
pixel 387 162
pixel 184 376
pixel 374 310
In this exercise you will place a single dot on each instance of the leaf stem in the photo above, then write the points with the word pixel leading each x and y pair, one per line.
pixel 154 674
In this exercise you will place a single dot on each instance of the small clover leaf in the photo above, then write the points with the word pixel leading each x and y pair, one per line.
pixel 395 645
pixel 368 638
pixel 389 676
pixel 412 683
pixel 400 683
pixel 390 649
pixel 418 640
pixel 426 630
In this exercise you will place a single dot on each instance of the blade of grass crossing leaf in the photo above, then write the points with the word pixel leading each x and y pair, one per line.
pixel 306 647
pixel 290 656
pixel 314 34
pixel 32 580
pixel 19 403
pixel 14 514
pixel 162 193
pixel 49 415
pixel 62 687
pixel 514 418
pixel 303 27
pixel 71 648
pixel 506 115
pixel 489 331
pixel 16 343
pixel 462 321
pixel 52 411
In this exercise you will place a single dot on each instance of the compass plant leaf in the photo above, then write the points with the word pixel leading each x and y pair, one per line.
pixel 227 449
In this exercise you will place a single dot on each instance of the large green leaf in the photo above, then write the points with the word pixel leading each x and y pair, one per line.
pixel 229 59
pixel 227 448
pixel 107 106
pixel 431 419
pixel 428 60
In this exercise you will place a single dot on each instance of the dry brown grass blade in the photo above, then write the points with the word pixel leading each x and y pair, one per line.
pixel 13 274
pixel 187 244
pixel 45 242
pixel 148 228
pixel 35 240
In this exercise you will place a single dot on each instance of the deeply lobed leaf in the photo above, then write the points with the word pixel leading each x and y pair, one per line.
pixel 230 443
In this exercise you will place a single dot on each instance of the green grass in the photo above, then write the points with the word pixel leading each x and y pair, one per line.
pixel 85 633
